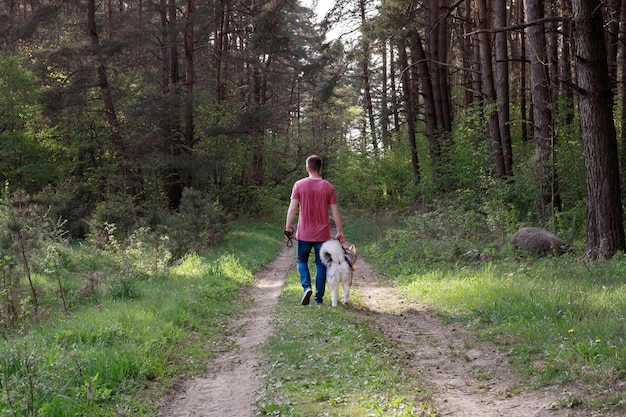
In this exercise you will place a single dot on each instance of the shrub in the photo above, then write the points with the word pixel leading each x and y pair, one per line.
pixel 199 224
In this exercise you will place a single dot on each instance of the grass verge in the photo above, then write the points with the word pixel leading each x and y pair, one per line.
pixel 561 320
pixel 118 351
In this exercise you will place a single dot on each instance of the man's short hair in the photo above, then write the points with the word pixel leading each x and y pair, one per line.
pixel 314 163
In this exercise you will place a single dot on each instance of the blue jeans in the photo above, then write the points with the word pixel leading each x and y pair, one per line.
pixel 302 261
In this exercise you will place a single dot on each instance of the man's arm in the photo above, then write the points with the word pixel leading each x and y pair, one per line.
pixel 291 213
pixel 337 218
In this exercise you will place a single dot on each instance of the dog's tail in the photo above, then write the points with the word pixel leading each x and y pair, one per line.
pixel 332 251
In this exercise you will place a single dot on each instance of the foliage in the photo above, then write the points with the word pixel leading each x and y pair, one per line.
pixel 199 224
pixel 27 148
pixel 41 272
pixel 470 160
pixel 364 182
pixel 26 230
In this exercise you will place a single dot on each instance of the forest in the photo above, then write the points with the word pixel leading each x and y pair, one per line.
pixel 146 129
pixel 128 113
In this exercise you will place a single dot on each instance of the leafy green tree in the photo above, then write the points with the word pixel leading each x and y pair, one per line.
pixel 28 149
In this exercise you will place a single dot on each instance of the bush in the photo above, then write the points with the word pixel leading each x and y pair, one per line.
pixel 199 224
pixel 113 218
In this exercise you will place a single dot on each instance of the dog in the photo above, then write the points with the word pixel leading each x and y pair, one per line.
pixel 339 263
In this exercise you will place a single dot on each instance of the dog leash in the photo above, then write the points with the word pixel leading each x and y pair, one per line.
pixel 289 236
pixel 347 259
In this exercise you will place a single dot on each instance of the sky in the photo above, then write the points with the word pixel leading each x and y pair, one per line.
pixel 322 7
pixel 320 10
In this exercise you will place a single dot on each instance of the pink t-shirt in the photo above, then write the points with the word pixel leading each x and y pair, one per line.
pixel 315 195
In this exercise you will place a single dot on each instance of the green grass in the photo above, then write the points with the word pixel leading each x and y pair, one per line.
pixel 128 341
pixel 561 320
pixel 329 362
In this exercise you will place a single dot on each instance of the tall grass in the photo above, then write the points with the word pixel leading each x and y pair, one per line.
pixel 133 332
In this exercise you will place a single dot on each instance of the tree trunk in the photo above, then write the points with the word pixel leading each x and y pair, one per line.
pixel 552 53
pixel 394 90
pixel 541 107
pixel 565 69
pixel 431 40
pixel 467 54
pixel 523 95
pixel 419 62
pixel 612 10
pixel 220 45
pixel 443 42
pixel 175 182
pixel 437 41
pixel 502 87
pixel 605 228
pixel 189 74
pixel 103 82
pixel 622 64
pixel 384 117
pixel 173 186
pixel 408 107
pixel 489 94
pixel 367 89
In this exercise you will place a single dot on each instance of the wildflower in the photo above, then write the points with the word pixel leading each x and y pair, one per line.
pixel 598 340
pixel 570 331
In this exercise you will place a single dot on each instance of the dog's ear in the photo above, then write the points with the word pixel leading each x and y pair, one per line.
pixel 352 249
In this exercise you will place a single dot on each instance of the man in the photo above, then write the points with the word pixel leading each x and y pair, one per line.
pixel 311 197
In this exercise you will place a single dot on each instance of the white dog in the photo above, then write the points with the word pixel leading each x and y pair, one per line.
pixel 339 263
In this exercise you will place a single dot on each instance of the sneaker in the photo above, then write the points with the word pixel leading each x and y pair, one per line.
pixel 307 296
pixel 318 304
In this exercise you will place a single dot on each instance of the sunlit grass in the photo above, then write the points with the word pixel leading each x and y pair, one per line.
pixel 133 332
pixel 559 320
pixel 567 316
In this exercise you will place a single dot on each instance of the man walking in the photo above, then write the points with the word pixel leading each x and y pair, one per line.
pixel 311 197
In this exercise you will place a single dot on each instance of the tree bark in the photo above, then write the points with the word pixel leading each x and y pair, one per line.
pixel 189 74
pixel 367 89
pixel 502 87
pixel 612 10
pixel 408 108
pixel 384 117
pixel 552 53
pixel 419 62
pixel 605 227
pixel 541 106
pixel 622 64
pixel 523 95
pixel 565 69
pixel 489 94
pixel 467 54
pixel 103 82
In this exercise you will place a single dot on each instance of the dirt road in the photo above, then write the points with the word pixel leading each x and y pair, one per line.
pixel 469 379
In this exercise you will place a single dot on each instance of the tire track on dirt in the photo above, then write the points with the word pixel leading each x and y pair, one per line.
pixel 230 389
pixel 467 378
